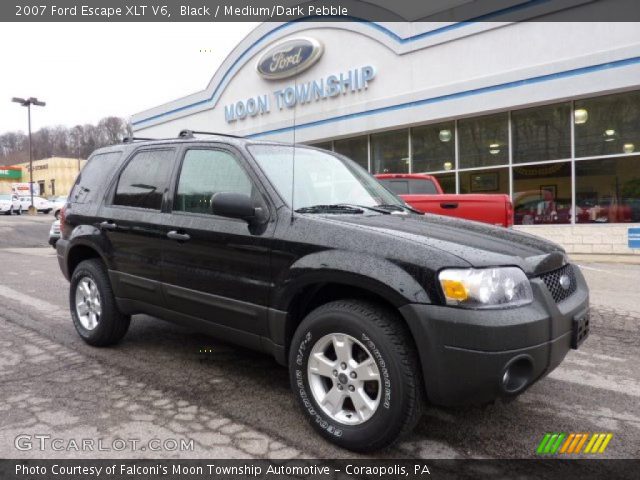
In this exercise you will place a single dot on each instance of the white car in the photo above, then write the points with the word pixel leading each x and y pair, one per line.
pixel 9 204
pixel 41 204
pixel 57 203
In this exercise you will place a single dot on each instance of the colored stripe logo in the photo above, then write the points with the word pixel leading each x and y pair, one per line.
pixel 573 443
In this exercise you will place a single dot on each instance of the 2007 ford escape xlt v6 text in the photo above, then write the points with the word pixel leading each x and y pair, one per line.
pixel 374 307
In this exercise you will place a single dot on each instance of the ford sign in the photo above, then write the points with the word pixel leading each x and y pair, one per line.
pixel 289 58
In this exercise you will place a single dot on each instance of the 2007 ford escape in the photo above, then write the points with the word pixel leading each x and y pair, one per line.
pixel 374 307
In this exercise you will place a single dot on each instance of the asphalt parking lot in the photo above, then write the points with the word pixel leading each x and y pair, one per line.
pixel 166 382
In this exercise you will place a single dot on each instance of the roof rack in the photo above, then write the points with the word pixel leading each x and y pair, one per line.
pixel 136 139
pixel 191 133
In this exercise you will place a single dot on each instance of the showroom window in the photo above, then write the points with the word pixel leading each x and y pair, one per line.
pixel 493 180
pixel 607 125
pixel 542 133
pixel 542 194
pixel 608 190
pixel 484 141
pixel 390 152
pixel 357 149
pixel 527 153
pixel 447 182
pixel 433 147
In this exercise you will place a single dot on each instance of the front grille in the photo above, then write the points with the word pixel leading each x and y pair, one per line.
pixel 552 281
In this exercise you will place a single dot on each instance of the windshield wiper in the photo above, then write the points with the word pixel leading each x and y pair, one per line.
pixel 337 208
pixel 375 208
pixel 397 208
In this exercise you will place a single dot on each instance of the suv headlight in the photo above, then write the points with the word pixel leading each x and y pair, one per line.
pixel 485 287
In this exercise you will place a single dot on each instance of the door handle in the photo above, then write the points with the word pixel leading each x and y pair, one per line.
pixel 108 225
pixel 449 205
pixel 181 237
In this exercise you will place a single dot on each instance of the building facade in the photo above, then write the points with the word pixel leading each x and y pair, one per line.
pixel 51 176
pixel 547 112
pixel 9 176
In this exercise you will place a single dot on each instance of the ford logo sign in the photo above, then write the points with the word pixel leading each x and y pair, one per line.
pixel 289 58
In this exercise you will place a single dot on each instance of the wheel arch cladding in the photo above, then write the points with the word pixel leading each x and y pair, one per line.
pixel 79 253
pixel 380 276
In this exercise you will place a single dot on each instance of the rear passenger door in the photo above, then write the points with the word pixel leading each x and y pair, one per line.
pixel 132 220
pixel 220 271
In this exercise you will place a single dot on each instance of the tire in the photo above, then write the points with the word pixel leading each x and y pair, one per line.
pixel 110 325
pixel 389 351
pixel 19 211
pixel 57 214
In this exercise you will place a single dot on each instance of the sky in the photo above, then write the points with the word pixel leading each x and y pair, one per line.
pixel 87 71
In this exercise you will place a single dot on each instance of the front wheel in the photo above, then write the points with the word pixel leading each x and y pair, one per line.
pixel 354 370
pixel 93 308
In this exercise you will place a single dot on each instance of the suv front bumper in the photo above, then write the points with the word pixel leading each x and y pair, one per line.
pixel 476 356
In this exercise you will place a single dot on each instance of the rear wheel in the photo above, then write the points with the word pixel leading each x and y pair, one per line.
pixel 354 370
pixel 93 308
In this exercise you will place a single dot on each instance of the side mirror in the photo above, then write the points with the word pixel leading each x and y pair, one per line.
pixel 233 205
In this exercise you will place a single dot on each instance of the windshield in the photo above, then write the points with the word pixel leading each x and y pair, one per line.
pixel 320 178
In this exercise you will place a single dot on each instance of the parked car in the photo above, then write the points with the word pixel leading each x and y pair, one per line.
pixel 424 193
pixel 54 233
pixel 42 205
pixel 9 204
pixel 372 306
pixel 57 203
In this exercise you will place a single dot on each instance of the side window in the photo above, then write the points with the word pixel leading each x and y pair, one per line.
pixel 95 173
pixel 204 173
pixel 144 180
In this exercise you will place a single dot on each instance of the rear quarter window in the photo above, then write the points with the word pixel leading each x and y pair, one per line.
pixel 94 176
pixel 409 186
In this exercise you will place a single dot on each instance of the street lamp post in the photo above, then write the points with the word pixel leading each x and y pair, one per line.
pixel 27 103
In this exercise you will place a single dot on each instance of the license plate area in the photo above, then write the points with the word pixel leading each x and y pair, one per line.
pixel 580 329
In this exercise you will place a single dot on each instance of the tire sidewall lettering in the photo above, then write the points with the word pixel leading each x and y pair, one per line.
pixel 382 366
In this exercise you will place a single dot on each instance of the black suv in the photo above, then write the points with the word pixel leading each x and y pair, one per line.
pixel 300 253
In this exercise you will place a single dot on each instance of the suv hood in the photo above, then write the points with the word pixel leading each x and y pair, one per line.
pixel 478 244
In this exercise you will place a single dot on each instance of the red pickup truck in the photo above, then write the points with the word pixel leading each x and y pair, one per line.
pixel 423 192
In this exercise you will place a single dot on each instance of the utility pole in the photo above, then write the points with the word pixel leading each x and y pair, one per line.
pixel 27 103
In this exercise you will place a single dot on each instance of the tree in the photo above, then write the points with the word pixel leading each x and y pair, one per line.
pixel 76 142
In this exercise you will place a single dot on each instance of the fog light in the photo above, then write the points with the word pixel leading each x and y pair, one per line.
pixel 517 375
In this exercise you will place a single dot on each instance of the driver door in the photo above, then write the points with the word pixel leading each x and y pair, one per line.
pixel 217 269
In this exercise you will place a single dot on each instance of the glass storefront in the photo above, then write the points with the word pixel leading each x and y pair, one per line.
pixel 356 149
pixel 542 194
pixel 484 141
pixel 579 156
pixel 433 147
pixel 542 133
pixel 390 152
pixel 608 125
pixel 608 190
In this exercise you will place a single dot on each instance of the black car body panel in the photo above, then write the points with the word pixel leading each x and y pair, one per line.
pixel 243 282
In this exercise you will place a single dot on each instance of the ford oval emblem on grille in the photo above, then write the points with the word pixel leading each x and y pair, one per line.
pixel 565 282
pixel 289 58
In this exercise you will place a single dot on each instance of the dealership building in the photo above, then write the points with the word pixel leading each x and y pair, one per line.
pixel 546 112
